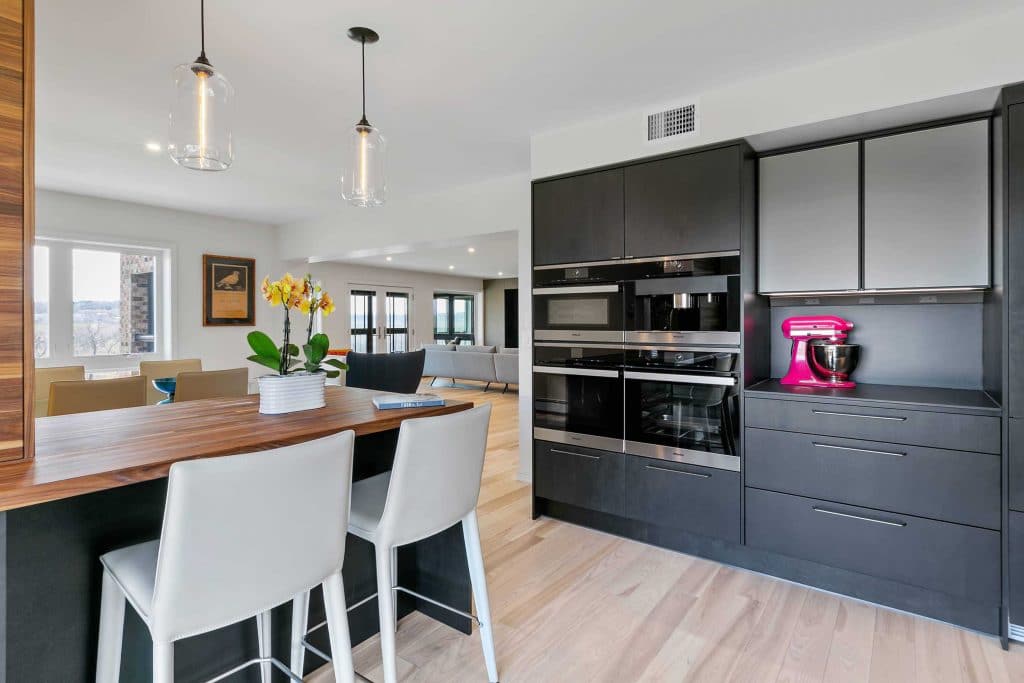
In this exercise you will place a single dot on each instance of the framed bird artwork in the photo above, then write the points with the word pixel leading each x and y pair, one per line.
pixel 229 295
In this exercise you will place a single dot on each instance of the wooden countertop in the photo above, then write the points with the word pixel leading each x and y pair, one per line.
pixel 89 452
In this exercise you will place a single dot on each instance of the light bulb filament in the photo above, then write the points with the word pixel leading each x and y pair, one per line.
pixel 364 170
pixel 201 88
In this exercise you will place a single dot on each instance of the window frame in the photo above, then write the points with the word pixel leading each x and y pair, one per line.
pixel 448 336
pixel 61 304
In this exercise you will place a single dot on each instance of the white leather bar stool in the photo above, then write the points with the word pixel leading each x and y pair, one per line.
pixel 433 485
pixel 241 535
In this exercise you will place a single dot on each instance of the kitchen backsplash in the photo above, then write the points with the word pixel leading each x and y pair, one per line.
pixel 933 345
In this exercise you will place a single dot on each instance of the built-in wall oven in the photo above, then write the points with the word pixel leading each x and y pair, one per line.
pixel 682 404
pixel 683 300
pixel 577 394
pixel 578 303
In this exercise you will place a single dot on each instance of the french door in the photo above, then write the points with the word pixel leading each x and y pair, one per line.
pixel 380 319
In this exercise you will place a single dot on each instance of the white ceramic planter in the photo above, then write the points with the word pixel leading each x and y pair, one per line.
pixel 291 393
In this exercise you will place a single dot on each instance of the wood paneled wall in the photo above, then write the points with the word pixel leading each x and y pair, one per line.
pixel 16 228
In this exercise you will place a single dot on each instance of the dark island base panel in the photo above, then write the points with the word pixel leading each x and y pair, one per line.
pixel 984 618
pixel 50 573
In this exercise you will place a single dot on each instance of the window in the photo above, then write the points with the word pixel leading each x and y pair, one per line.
pixel 98 305
pixel 453 318
pixel 362 304
pixel 397 321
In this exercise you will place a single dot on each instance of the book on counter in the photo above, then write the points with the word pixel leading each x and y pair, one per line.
pixel 389 401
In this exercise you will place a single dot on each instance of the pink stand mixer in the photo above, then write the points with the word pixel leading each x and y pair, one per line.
pixel 820 356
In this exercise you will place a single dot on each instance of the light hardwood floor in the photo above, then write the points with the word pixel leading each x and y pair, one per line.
pixel 571 604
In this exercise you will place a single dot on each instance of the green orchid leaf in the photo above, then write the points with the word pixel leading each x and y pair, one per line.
pixel 320 341
pixel 334 362
pixel 262 344
pixel 271 362
pixel 314 354
pixel 333 373
pixel 293 350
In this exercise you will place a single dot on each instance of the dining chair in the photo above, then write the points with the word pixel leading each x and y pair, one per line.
pixel 212 384
pixel 87 395
pixel 241 534
pixel 44 377
pixel 435 484
pixel 156 369
pixel 397 372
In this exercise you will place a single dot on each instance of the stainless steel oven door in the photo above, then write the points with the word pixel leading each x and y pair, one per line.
pixel 579 406
pixel 690 418
pixel 589 313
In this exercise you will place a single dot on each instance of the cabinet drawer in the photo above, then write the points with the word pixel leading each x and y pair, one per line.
pixel 955 486
pixel 700 500
pixel 958 560
pixel 905 426
pixel 583 477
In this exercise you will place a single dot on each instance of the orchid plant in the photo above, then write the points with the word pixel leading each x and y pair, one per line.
pixel 308 298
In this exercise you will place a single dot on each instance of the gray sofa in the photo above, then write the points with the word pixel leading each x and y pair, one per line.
pixel 479 363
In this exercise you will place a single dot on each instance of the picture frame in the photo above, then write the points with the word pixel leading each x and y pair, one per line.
pixel 229 291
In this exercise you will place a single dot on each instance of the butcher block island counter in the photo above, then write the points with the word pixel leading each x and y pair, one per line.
pixel 98 482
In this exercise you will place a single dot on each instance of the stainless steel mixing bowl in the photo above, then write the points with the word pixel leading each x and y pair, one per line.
pixel 834 362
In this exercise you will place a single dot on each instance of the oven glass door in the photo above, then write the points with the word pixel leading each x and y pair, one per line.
pixel 578 405
pixel 583 313
pixel 688 418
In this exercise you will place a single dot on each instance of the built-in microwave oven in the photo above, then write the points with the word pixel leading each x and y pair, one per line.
pixel 578 303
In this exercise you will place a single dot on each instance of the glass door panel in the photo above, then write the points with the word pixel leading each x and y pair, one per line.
pixel 362 314
pixel 397 321
pixel 380 319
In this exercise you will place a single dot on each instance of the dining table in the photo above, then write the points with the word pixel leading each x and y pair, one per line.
pixel 98 482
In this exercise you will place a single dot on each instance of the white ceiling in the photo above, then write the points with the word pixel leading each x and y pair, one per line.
pixel 493 256
pixel 457 86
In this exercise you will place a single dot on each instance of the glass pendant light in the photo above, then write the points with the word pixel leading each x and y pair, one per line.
pixel 199 134
pixel 363 182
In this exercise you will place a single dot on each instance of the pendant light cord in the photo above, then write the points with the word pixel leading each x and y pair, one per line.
pixel 362 48
pixel 202 26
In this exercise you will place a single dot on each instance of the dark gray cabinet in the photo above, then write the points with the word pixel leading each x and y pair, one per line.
pixel 957 560
pixel 926 208
pixel 1016 463
pixel 1014 274
pixel 684 205
pixel 699 500
pixel 578 219
pixel 1016 547
pixel 953 486
pixel 809 220
pixel 583 477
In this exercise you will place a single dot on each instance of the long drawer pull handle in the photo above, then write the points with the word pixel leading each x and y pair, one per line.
pixel 858 450
pixel 582 455
pixel 689 474
pixel 863 519
pixel 866 417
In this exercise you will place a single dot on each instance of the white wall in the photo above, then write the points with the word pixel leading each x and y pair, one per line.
pixel 338 278
pixel 188 236
pixel 963 58
pixel 494 309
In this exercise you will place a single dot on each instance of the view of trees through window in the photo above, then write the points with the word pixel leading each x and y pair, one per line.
pixel 112 302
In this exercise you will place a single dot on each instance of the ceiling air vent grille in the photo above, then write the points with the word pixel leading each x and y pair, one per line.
pixel 671 122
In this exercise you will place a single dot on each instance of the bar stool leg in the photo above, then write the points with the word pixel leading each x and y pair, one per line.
pixel 300 623
pixel 386 610
pixel 108 656
pixel 337 627
pixel 394 581
pixel 263 631
pixel 478 577
pixel 163 662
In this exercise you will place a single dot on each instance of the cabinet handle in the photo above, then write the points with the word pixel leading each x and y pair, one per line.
pixel 858 450
pixel 861 518
pixel 866 417
pixel 582 455
pixel 689 474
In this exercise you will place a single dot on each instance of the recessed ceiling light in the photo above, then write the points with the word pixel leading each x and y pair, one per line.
pixel 154 147
pixel 387 258
pixel 451 267
pixel 500 273
pixel 471 250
